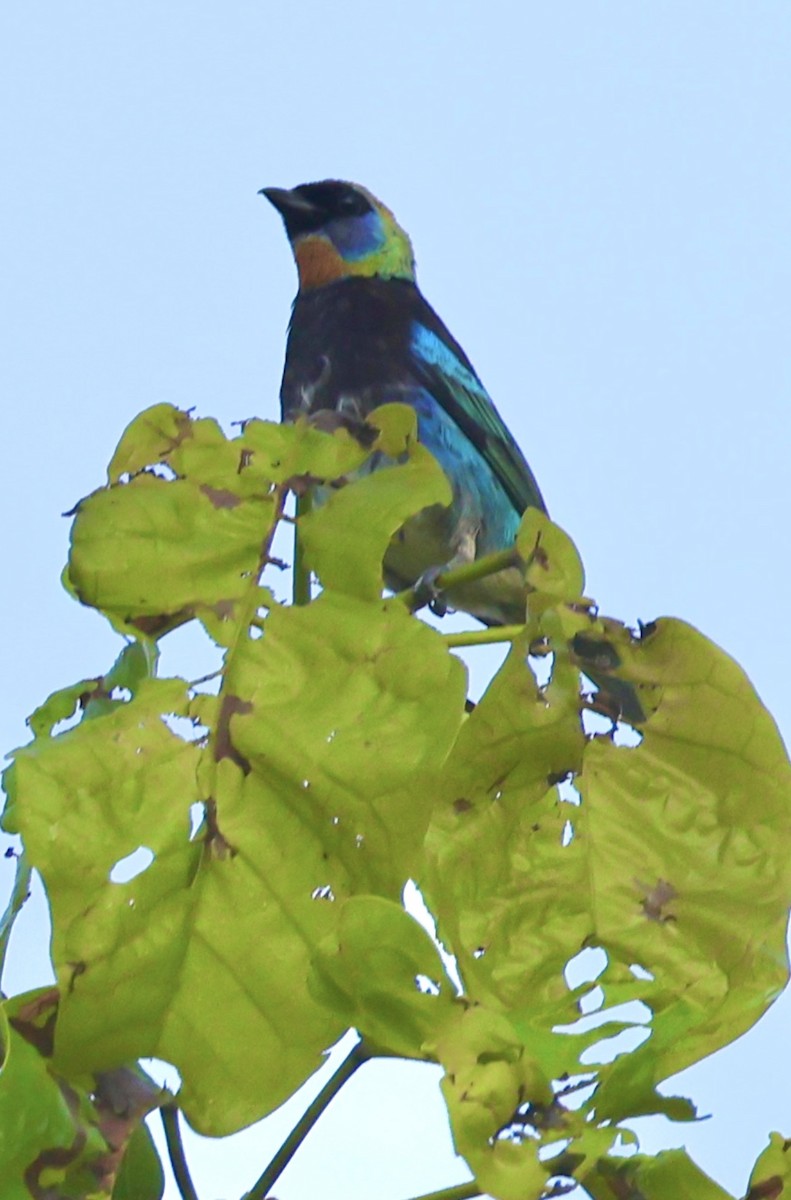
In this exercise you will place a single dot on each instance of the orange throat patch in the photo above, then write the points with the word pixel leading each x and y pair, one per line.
pixel 318 262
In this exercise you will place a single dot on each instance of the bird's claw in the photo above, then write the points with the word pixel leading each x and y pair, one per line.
pixel 426 592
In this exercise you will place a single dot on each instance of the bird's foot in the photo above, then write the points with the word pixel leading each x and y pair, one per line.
pixel 426 592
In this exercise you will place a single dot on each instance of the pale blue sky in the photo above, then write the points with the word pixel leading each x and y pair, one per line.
pixel 598 193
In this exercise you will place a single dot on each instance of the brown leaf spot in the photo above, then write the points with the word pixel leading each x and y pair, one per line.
pixel 77 969
pixel 220 497
pixel 300 484
pixel 224 609
pixel 35 1021
pixel 157 623
pixel 768 1189
pixel 217 846
pixel 462 805
pixel 231 706
pixel 56 1159
pixel 656 898
pixel 595 652
pixel 328 420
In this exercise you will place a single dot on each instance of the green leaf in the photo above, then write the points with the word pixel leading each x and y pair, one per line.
pixel 347 536
pixel 141 1176
pixel 357 759
pixel 383 974
pixel 152 552
pixel 772 1171
pixel 661 852
pixel 185 925
pixel 136 662
pixel 233 919
pixel 147 439
pixel 302 452
pixel 712 781
pixel 668 1176
pixel 338 761
pixel 48 1134
pixel 553 567
pixel 61 706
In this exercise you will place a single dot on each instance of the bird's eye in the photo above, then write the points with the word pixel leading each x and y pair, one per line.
pixel 350 203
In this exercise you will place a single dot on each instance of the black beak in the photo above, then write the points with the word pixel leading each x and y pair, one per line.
pixel 299 214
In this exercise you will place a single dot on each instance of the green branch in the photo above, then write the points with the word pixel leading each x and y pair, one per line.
pixel 277 1166
pixel 19 894
pixel 481 568
pixel 464 1191
pixel 178 1161
pixel 483 637
pixel 301 569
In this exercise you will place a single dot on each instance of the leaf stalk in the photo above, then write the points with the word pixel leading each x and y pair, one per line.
pixel 463 1191
pixel 358 1055
pixel 481 568
pixel 178 1159
pixel 483 637
pixel 301 569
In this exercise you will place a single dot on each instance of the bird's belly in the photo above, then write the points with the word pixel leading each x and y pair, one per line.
pixel 427 541
pixel 480 519
pixel 422 543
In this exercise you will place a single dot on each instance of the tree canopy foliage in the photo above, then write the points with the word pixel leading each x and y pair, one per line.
pixel 280 808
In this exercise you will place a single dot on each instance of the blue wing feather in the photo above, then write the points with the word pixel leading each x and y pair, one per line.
pixel 455 386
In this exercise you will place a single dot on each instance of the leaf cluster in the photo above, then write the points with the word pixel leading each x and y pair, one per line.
pixel 280 809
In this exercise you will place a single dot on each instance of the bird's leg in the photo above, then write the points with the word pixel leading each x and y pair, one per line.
pixel 427 589
pixel 424 592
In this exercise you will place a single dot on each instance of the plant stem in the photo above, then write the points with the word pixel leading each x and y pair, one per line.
pixel 178 1161
pixel 301 571
pixel 490 564
pixel 19 894
pixel 464 1191
pixel 483 637
pixel 277 1166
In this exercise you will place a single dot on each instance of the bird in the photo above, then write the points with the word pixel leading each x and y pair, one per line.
pixel 361 335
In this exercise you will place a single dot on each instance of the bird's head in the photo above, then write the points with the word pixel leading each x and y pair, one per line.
pixel 338 230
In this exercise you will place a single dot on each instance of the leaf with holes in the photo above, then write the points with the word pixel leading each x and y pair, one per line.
pixel 546 843
pixel 185 924
pixel 310 797
pixel 669 1176
pixel 347 536
pixel 49 1142
pixel 382 973
pixel 358 758
pixel 587 854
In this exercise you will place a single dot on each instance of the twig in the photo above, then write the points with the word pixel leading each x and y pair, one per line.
pixel 463 1191
pixel 277 1166
pixel 490 564
pixel 483 637
pixel 19 894
pixel 301 570
pixel 178 1161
